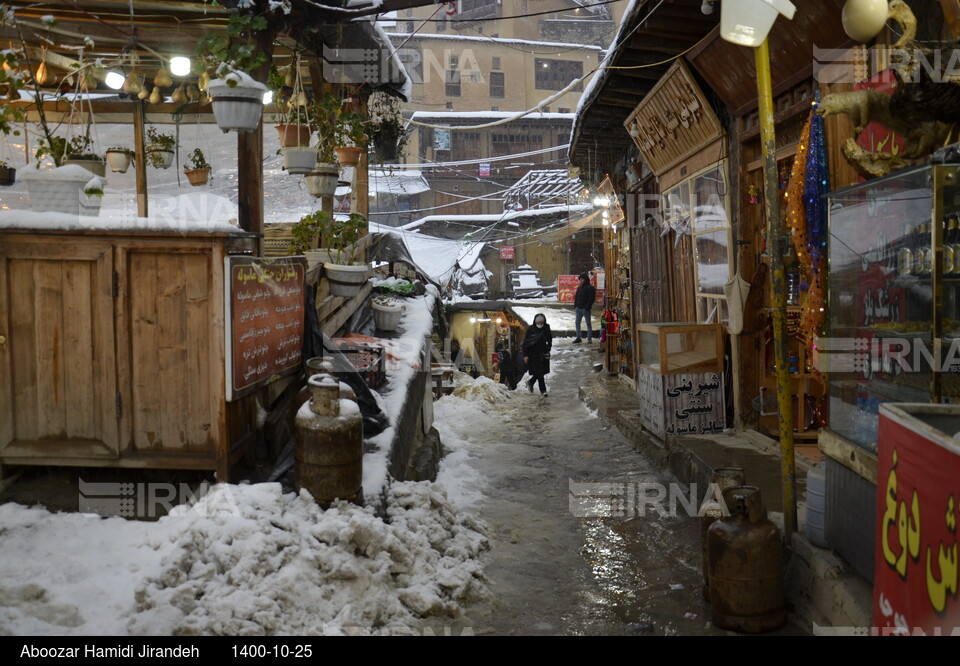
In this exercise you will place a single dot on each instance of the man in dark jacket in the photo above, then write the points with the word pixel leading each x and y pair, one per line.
pixel 583 302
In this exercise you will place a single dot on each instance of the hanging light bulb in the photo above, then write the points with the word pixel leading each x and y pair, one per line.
pixel 179 66
pixel 114 80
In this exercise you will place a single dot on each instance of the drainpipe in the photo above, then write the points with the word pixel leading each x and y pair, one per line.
pixel 771 190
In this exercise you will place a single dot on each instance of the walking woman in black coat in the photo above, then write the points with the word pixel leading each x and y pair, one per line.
pixel 536 352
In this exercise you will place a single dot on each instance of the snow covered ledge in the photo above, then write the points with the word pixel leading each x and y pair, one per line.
pixel 406 400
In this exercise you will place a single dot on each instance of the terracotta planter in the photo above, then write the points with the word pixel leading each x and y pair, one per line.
pixel 293 135
pixel 346 280
pixel 348 155
pixel 160 157
pixel 237 108
pixel 322 181
pixel 118 160
pixel 96 167
pixel 8 176
pixel 198 176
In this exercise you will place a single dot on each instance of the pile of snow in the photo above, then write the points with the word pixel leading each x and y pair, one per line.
pixel 243 560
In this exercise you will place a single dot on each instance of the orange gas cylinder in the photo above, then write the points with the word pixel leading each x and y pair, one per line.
pixel 744 553
pixel 724 478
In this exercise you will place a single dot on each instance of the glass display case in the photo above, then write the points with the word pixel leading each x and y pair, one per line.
pixel 893 331
pixel 671 348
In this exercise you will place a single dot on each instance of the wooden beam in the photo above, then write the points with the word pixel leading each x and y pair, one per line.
pixel 140 161
pixel 250 159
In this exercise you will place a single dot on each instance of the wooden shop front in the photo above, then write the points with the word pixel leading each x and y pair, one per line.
pixel 112 350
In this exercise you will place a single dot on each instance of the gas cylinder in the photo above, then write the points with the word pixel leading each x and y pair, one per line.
pixel 724 478
pixel 329 436
pixel 746 566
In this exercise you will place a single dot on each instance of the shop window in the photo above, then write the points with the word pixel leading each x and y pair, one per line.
pixel 698 206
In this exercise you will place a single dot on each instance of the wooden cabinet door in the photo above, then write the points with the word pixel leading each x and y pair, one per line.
pixel 57 363
pixel 170 318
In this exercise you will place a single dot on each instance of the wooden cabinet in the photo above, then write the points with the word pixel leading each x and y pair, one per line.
pixel 114 351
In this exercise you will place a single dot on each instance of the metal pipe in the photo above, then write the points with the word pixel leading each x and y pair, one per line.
pixel 768 145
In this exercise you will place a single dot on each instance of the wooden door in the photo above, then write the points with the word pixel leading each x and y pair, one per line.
pixel 170 317
pixel 58 385
pixel 651 274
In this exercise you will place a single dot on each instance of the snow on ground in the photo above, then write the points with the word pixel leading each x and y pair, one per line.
pixel 244 560
pixel 562 319
pixel 251 560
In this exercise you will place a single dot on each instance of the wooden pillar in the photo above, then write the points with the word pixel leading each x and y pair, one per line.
pixel 250 157
pixel 140 159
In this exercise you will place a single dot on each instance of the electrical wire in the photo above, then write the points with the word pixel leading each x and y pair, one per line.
pixel 518 16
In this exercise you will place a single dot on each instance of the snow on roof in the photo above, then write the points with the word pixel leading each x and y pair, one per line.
pixel 403 182
pixel 489 115
pixel 497 40
pixel 437 257
pixel 542 184
pixel 200 212
pixel 532 213
pixel 406 89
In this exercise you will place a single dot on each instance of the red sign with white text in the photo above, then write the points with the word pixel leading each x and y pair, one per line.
pixel 916 575
pixel 567 288
pixel 507 252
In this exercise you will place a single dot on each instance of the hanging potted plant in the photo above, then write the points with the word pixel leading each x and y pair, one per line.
pixel 386 312
pixel 160 148
pixel 198 170
pixel 352 137
pixel 386 126
pixel 79 152
pixel 236 97
pixel 8 175
pixel 292 117
pixel 322 181
pixel 118 159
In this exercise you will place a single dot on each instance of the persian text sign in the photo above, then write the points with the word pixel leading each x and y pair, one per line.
pixel 507 252
pixel 567 287
pixel 265 318
pixel 916 575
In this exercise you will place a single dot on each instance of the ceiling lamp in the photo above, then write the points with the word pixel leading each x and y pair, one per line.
pixel 747 22
pixel 179 66
pixel 114 80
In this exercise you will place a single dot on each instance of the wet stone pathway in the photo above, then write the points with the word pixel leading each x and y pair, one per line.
pixel 571 553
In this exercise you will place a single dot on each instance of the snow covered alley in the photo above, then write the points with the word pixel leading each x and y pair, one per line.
pixel 493 547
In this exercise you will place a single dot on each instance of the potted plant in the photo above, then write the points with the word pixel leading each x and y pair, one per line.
pixel 118 158
pixel 386 126
pixel 236 97
pixel 337 237
pixel 386 312
pixel 160 148
pixel 91 197
pixel 8 175
pixel 198 170
pixel 292 117
pixel 78 151
pixel 323 179
pixel 352 137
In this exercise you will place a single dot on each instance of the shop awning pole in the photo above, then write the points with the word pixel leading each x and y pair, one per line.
pixel 768 143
